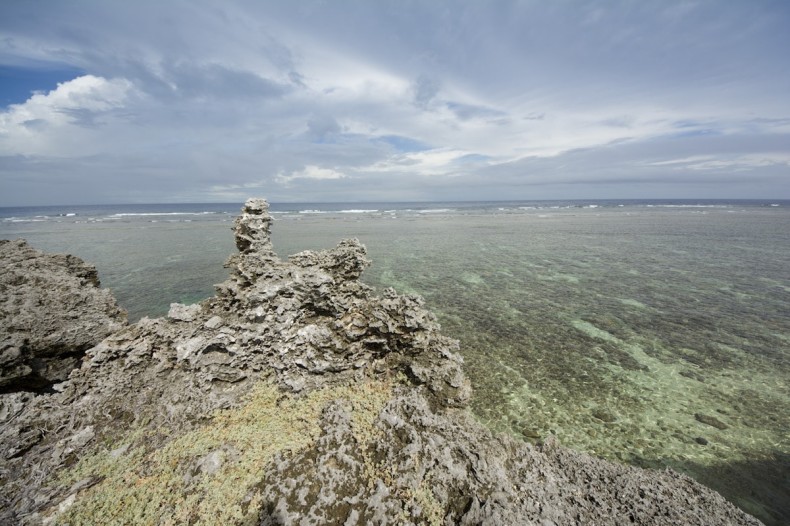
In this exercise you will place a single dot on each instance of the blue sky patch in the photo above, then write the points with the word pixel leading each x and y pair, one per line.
pixel 404 144
pixel 18 84
pixel 473 158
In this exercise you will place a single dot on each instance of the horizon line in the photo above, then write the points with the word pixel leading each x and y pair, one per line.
pixel 739 199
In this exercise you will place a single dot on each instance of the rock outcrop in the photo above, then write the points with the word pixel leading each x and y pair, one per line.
pixel 51 311
pixel 297 395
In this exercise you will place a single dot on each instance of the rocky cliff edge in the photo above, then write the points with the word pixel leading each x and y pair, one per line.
pixel 51 311
pixel 297 395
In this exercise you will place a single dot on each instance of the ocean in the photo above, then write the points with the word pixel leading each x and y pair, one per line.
pixel 655 333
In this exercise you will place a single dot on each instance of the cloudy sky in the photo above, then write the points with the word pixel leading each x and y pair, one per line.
pixel 392 100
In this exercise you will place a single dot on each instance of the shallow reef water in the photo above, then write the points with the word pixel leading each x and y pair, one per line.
pixel 657 337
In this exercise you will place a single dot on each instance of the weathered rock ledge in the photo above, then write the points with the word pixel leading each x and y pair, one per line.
pixel 51 311
pixel 297 395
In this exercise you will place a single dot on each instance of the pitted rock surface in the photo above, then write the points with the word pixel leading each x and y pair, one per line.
pixel 442 467
pixel 308 325
pixel 51 311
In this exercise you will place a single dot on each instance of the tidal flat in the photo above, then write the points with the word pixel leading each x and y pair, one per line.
pixel 653 336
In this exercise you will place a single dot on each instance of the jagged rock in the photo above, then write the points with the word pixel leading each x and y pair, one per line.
pixel 51 311
pixel 442 467
pixel 297 395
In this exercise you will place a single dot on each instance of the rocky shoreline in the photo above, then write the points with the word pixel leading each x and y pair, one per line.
pixel 51 311
pixel 296 395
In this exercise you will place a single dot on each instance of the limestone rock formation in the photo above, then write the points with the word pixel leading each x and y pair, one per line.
pixel 51 311
pixel 297 395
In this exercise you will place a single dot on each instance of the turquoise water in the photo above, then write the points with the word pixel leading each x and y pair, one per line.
pixel 652 335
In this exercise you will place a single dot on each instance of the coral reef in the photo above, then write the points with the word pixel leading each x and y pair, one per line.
pixel 297 395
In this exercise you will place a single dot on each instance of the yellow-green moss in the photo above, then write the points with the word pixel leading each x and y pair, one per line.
pixel 165 486
pixel 432 510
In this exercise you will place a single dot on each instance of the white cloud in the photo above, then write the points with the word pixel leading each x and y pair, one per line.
pixel 195 97
pixel 311 172
pixel 55 123
pixel 736 163
pixel 681 162
pixel 441 161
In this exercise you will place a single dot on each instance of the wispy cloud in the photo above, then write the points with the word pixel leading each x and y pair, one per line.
pixel 730 163
pixel 311 172
pixel 428 162
pixel 462 99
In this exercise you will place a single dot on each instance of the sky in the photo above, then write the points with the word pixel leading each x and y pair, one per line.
pixel 392 100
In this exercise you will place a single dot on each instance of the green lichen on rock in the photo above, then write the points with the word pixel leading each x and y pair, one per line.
pixel 210 475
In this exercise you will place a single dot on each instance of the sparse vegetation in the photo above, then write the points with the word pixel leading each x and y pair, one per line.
pixel 209 475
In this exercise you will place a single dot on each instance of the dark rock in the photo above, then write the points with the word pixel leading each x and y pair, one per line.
pixel 530 433
pixel 604 416
pixel 693 375
pixel 701 441
pixel 710 420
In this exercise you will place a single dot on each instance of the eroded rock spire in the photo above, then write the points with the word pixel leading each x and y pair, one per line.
pixel 253 227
